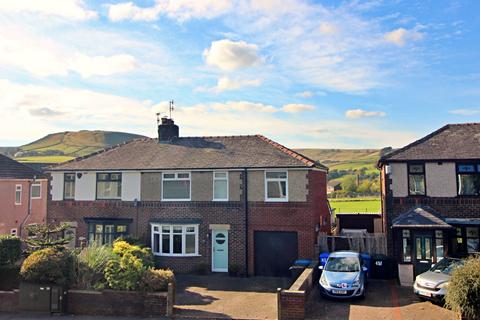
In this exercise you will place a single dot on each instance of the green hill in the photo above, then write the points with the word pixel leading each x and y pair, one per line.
pixel 63 146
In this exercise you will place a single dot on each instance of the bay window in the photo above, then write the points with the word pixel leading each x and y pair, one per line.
pixel 69 186
pixel 109 185
pixel 174 240
pixel 468 177
pixel 176 186
pixel 276 186
pixel 220 186
pixel 416 179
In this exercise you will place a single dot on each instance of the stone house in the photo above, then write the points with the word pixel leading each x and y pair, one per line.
pixel 198 202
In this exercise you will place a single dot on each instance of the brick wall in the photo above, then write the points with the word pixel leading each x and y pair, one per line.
pixel 9 301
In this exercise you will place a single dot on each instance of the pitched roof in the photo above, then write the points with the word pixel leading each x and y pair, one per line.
pixel 11 169
pixel 420 217
pixel 451 142
pixel 192 153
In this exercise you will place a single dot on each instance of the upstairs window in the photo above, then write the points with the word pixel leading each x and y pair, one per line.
pixel 36 191
pixel 276 186
pixel 18 194
pixel 109 185
pixel 416 179
pixel 220 186
pixel 468 177
pixel 69 186
pixel 176 186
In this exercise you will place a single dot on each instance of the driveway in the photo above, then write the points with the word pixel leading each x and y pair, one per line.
pixel 223 297
pixel 385 300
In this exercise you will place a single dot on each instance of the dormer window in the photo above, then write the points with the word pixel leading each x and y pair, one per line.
pixel 416 179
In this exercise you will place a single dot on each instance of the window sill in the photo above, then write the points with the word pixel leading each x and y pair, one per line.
pixel 220 200
pixel 276 200
pixel 176 200
pixel 177 255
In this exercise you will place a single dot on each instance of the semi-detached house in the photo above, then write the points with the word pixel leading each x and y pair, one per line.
pixel 197 202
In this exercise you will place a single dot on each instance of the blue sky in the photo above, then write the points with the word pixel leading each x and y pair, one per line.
pixel 336 74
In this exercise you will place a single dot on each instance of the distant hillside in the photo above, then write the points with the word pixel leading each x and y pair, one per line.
pixel 63 146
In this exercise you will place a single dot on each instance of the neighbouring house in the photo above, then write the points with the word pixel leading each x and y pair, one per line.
pixel 333 186
pixel 240 202
pixel 431 198
pixel 23 197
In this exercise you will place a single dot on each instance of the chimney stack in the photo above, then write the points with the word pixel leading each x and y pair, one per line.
pixel 167 130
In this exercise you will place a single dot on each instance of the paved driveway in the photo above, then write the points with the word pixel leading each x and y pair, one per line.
pixel 385 300
pixel 224 297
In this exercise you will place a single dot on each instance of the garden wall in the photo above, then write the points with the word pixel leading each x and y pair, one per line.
pixel 292 301
pixel 9 301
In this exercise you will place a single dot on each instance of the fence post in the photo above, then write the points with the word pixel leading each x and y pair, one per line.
pixel 170 299
pixel 279 303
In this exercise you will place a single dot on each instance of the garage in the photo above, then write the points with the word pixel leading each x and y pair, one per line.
pixel 274 252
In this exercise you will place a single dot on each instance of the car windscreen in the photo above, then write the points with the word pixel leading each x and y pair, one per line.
pixel 342 264
pixel 446 266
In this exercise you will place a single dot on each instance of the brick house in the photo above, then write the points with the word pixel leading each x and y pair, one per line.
pixel 199 202
pixel 431 198
pixel 23 197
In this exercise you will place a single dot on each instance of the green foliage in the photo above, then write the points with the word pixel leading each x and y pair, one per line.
pixel 349 184
pixel 10 249
pixel 351 205
pixel 9 277
pixel 90 265
pixel 46 236
pixel 125 273
pixel 463 293
pixel 156 279
pixel 49 265
pixel 122 247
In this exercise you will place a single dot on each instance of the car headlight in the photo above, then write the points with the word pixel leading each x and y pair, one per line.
pixel 323 281
pixel 356 283
pixel 443 285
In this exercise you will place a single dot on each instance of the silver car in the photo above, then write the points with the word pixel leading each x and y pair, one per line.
pixel 343 276
pixel 433 284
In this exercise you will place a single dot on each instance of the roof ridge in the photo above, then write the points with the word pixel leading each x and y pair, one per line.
pixel 97 152
pixel 290 152
pixel 414 143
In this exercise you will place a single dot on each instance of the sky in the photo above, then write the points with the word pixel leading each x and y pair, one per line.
pixel 318 74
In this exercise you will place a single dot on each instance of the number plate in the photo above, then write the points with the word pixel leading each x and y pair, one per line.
pixel 424 293
pixel 339 291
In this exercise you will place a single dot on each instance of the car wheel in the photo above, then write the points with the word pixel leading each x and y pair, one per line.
pixel 364 294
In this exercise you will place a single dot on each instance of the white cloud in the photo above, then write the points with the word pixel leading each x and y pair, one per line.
pixel 360 113
pixel 401 36
pixel 228 84
pixel 305 94
pixel 327 28
pixel 67 9
pixel 177 9
pixel 466 112
pixel 297 107
pixel 244 106
pixel 43 57
pixel 231 55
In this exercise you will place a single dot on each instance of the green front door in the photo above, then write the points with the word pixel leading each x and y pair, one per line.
pixel 220 250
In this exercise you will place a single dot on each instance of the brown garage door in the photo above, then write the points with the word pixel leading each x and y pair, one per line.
pixel 275 252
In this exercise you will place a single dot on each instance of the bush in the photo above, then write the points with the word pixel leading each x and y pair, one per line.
pixel 90 265
pixel 10 249
pixel 463 294
pixel 156 279
pixel 125 273
pixel 48 265
pixel 122 247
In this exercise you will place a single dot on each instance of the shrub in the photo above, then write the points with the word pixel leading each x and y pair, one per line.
pixel 156 279
pixel 46 236
pixel 10 249
pixel 121 247
pixel 124 273
pixel 48 265
pixel 90 265
pixel 463 294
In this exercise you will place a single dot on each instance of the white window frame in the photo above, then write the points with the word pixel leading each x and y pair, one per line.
pixel 184 233
pixel 13 232
pixel 18 188
pixel 219 179
pixel 266 180
pixel 31 190
pixel 176 173
pixel 74 185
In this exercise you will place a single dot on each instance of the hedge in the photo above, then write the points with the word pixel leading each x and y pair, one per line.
pixel 10 249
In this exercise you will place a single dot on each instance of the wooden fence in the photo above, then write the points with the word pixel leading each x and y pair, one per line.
pixel 372 243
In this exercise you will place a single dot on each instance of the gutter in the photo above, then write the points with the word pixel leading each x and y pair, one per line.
pixel 29 209
pixel 245 189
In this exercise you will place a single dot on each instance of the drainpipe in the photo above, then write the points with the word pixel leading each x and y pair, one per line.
pixel 245 190
pixel 29 209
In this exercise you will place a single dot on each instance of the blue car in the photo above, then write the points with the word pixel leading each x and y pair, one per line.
pixel 343 276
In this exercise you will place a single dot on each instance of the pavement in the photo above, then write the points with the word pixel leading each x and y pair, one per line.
pixel 385 300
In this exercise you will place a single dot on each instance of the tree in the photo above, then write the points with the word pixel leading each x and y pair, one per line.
pixel 349 184
pixel 364 187
pixel 46 236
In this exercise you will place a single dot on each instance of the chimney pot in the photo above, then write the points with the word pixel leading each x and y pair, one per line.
pixel 167 130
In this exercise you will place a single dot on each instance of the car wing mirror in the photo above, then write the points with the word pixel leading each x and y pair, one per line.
pixel 320 267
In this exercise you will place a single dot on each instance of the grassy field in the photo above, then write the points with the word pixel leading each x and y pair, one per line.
pixel 355 205
pixel 44 159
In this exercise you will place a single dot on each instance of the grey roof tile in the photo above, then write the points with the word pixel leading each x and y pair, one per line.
pixel 11 169
pixel 420 217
